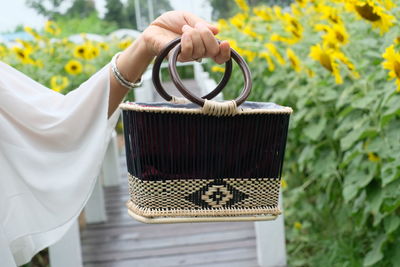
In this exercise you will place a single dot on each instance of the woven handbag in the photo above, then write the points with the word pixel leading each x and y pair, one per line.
pixel 200 160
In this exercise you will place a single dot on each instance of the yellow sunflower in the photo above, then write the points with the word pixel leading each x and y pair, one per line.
pixel 125 43
pixel 81 51
pixel 267 57
pixel 283 183
pixel 23 55
pixel 242 4
pixel 297 225
pixel 94 52
pixel 294 60
pixel 296 9
pixel 234 45
pixel 249 55
pixel 52 28
pixel 217 68
pixel 373 157
pixel 264 12
pixel 274 51
pixel 73 67
pixel 392 64
pixel 329 58
pixel 288 40
pixel 278 11
pixel 104 46
pixel 32 32
pixel 3 51
pixel 293 27
pixel 329 13
pixel 58 83
pixel 238 20
pixel 310 72
pixel 294 23
pixel 302 3
pixel 374 12
pixel 249 31
pixel 335 35
pixel 326 57
pixel 27 46
pixel 222 24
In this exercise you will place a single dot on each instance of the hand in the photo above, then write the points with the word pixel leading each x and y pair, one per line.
pixel 198 41
pixel 197 35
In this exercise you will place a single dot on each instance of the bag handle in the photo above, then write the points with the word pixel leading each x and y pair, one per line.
pixel 200 101
pixel 156 76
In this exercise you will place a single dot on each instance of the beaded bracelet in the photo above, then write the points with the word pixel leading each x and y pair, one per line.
pixel 118 76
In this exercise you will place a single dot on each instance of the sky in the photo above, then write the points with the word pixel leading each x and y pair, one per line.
pixel 15 12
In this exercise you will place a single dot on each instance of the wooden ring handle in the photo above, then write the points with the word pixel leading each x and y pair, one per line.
pixel 200 101
pixel 156 76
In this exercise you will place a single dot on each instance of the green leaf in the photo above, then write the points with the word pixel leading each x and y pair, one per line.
pixel 345 111
pixel 355 181
pixel 329 95
pixel 349 156
pixel 392 110
pixel 395 259
pixel 364 102
pixel 313 131
pixel 349 192
pixel 375 199
pixel 390 205
pixel 391 223
pixel 390 172
pixel 375 255
pixel 349 140
pixel 306 155
pixel 344 98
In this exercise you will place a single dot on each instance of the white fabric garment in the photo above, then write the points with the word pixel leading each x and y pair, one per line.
pixel 51 150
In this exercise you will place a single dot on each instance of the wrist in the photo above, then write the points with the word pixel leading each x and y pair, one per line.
pixel 134 60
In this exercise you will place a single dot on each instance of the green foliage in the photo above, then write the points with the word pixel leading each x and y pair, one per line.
pixel 51 8
pixel 81 9
pixel 47 8
pixel 342 159
pixel 47 57
pixel 115 12
pixel 90 24
pixel 226 9
pixel 40 260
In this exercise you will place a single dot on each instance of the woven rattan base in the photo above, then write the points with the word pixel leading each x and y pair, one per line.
pixel 191 200
pixel 156 220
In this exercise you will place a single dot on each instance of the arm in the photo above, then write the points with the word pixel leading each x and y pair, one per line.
pixel 198 41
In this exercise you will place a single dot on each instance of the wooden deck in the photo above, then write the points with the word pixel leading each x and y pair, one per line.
pixel 124 242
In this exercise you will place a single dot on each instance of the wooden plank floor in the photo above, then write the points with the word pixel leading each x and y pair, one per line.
pixel 124 242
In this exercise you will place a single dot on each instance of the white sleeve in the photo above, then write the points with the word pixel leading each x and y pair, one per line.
pixel 51 150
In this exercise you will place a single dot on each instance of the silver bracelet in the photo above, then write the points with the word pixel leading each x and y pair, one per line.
pixel 118 76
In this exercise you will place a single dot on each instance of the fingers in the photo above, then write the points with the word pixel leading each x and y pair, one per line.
pixel 192 45
pixel 187 49
pixel 199 42
pixel 224 53
pixel 192 20
pixel 210 43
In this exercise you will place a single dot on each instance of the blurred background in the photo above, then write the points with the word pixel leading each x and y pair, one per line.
pixel 336 63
